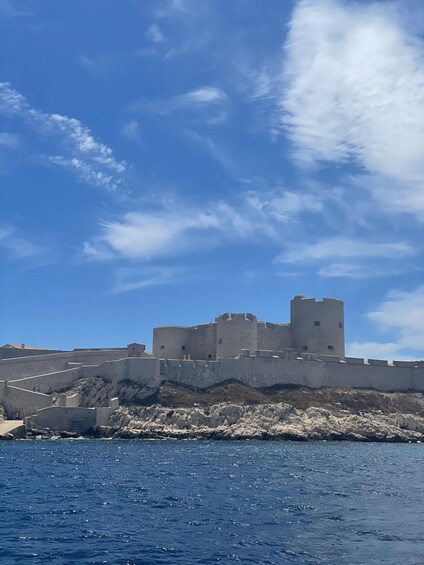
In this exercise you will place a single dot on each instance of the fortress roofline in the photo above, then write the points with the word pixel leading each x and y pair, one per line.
pixel 313 299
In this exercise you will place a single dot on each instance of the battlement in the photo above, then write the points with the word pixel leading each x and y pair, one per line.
pixel 229 316
pixel 301 297
pixel 316 326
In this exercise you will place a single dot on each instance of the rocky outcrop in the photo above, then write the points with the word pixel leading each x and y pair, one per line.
pixel 234 411
pixel 94 391
pixel 263 421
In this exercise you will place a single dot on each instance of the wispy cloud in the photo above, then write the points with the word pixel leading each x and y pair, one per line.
pixel 401 316
pixel 176 228
pixel 130 279
pixel 349 257
pixel 206 103
pixel 154 34
pixel 354 92
pixel 9 140
pixel 16 246
pixel 78 150
pixel 130 130
pixel 344 247
pixel 8 10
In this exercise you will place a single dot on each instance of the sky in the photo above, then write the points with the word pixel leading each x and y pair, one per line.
pixel 162 162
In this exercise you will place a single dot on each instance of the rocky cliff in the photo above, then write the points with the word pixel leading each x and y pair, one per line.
pixel 234 411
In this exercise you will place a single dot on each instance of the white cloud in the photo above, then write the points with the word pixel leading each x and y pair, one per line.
pixel 354 91
pixel 286 205
pixel 169 232
pixel 344 247
pixel 176 229
pixel 204 95
pixel 7 10
pixel 17 246
pixel 154 34
pixel 130 279
pixel 401 315
pixel 9 140
pixel 376 350
pixel 130 130
pixel 354 270
pixel 206 102
pixel 90 159
pixel 403 312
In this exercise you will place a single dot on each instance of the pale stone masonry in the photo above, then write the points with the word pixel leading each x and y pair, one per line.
pixel 308 351
pixel 316 326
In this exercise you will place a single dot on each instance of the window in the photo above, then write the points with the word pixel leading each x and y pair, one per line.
pixel 183 348
pixel 304 348
pixel 161 347
pixel 340 324
pixel 331 347
pixel 317 323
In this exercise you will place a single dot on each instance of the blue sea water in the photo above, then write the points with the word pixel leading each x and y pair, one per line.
pixel 201 502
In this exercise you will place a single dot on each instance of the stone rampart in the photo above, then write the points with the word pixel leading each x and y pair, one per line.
pixel 43 364
pixel 141 370
pixel 49 382
pixel 265 370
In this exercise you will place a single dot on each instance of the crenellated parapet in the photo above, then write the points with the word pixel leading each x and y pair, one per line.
pixel 316 326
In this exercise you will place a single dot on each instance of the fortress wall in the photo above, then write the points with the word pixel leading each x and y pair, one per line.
pixel 203 341
pixel 234 332
pixel 273 336
pixel 190 373
pixel 418 378
pixel 385 378
pixel 171 342
pixel 10 353
pixel 141 370
pixel 19 402
pixel 262 372
pixel 268 371
pixel 50 382
pixel 317 325
pixel 43 364
pixel 253 371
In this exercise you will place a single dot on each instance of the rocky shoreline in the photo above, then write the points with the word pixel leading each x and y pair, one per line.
pixel 269 421
pixel 232 411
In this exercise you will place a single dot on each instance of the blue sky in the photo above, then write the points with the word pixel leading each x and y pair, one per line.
pixel 165 161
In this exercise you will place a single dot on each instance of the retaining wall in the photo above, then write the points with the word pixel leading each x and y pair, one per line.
pixel 43 364
pixel 19 402
pixel 59 418
pixel 50 382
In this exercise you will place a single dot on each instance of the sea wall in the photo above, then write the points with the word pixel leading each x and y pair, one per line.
pixel 19 402
pixel 59 418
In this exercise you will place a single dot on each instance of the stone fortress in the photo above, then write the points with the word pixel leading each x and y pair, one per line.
pixel 309 351
pixel 315 326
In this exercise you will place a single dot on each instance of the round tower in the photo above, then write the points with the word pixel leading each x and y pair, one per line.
pixel 234 332
pixel 317 326
pixel 171 342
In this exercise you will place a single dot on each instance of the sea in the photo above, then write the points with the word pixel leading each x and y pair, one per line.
pixel 199 502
